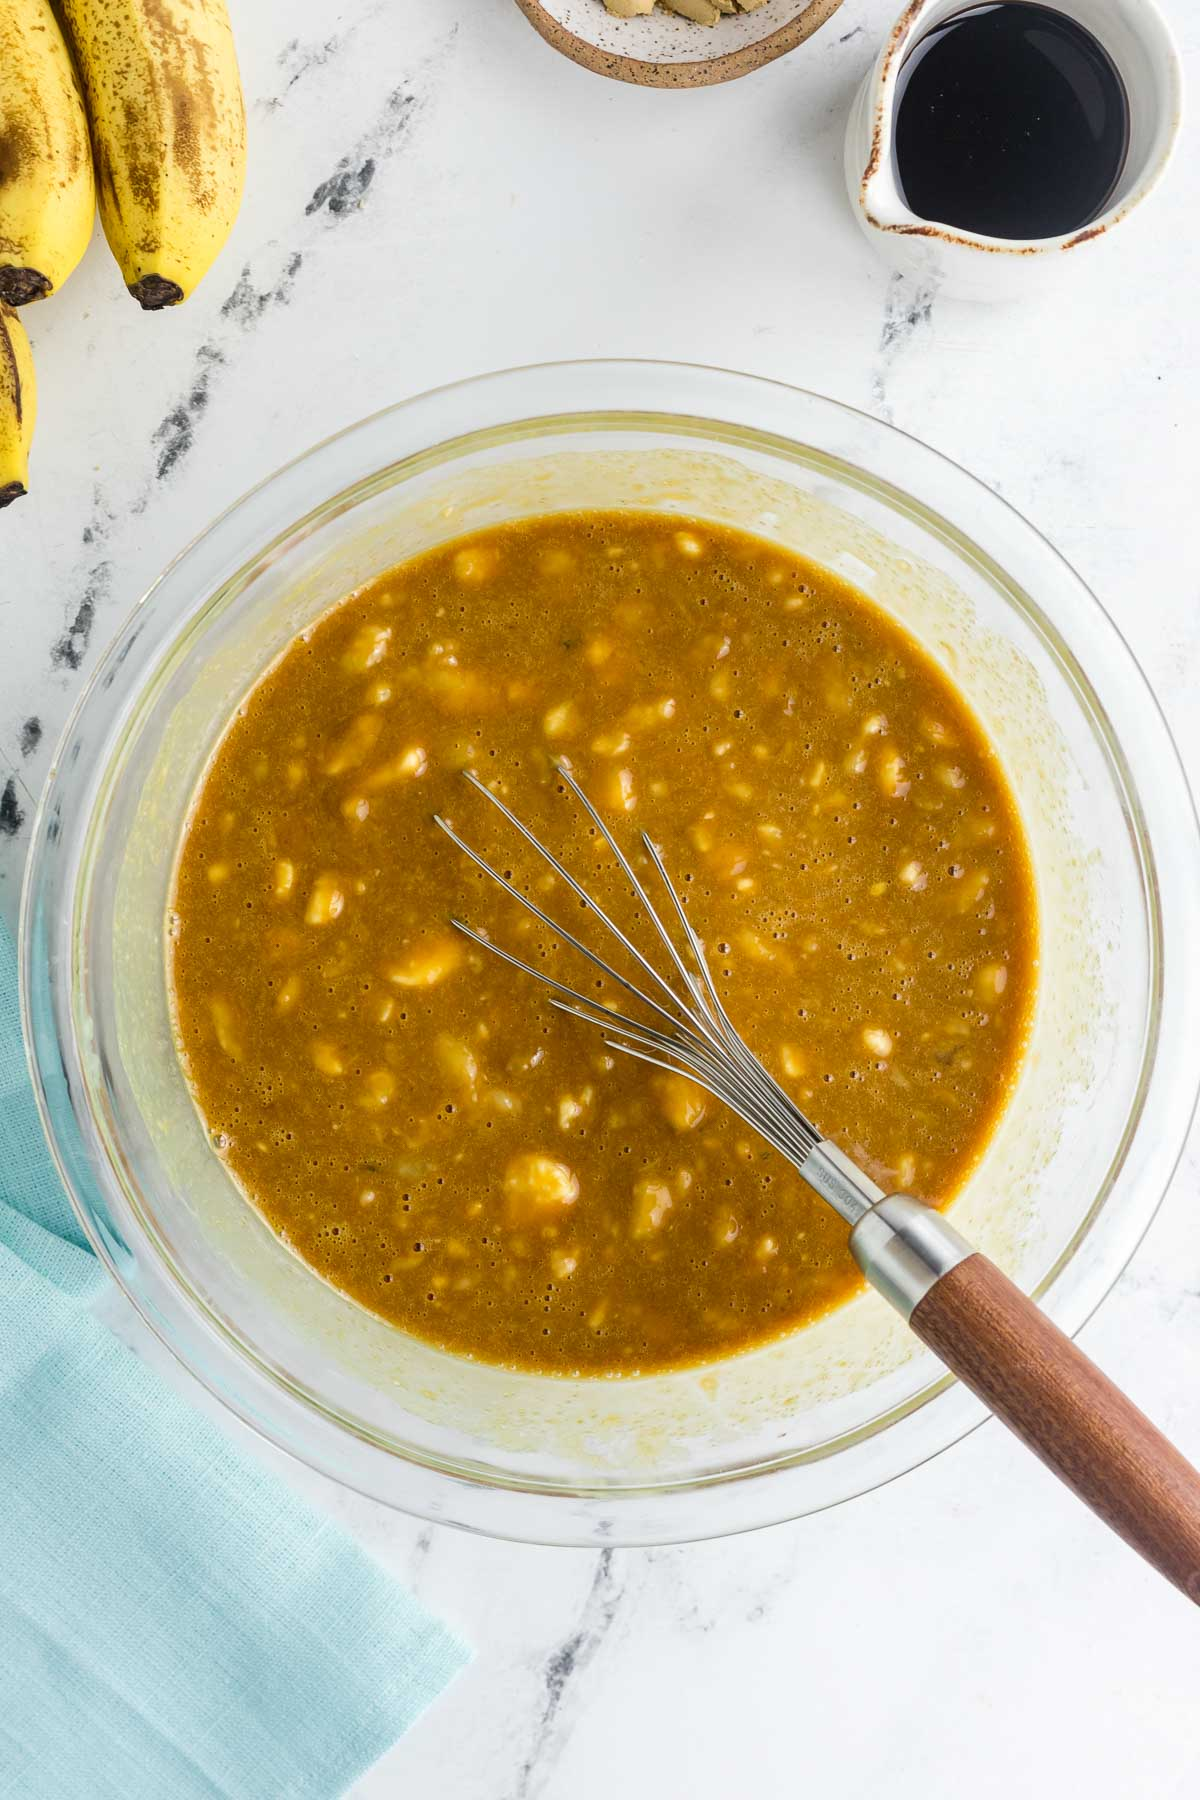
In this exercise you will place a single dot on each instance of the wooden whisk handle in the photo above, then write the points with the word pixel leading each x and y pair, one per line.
pixel 1068 1412
pixel 989 1334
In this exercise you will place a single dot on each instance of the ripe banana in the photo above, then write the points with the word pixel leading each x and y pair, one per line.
pixel 160 82
pixel 18 405
pixel 47 197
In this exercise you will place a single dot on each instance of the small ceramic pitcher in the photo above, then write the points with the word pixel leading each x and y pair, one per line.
pixel 975 267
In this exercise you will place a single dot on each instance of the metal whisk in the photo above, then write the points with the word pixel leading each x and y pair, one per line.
pixel 695 1036
pixel 958 1302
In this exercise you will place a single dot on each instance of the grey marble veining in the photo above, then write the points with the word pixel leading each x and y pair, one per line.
pixel 432 193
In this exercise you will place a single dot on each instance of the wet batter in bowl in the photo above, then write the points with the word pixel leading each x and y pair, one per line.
pixel 412 1118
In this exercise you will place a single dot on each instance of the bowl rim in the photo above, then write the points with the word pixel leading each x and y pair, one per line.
pixel 705 71
pixel 967 1413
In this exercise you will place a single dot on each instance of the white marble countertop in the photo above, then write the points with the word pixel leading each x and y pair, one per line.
pixel 433 193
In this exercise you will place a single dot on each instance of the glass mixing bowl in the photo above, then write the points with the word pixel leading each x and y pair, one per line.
pixel 1073 1173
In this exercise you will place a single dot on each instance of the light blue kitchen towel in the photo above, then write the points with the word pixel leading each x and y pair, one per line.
pixel 174 1623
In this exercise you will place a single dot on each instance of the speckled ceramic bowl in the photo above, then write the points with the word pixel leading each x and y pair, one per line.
pixel 663 50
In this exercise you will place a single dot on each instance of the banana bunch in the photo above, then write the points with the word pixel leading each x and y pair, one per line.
pixel 154 85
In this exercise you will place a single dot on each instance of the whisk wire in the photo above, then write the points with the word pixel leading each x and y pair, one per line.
pixel 630 873
pixel 703 1065
pixel 733 1039
pixel 592 904
pixel 709 1000
pixel 554 925
pixel 700 1038
pixel 684 1045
